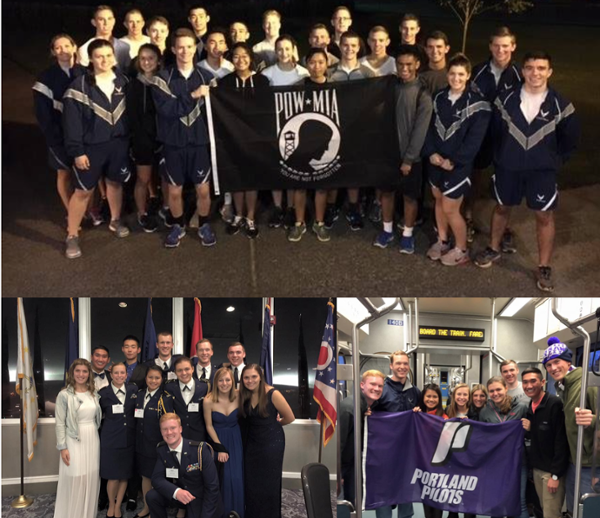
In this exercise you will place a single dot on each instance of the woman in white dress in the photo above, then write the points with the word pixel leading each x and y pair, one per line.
pixel 78 418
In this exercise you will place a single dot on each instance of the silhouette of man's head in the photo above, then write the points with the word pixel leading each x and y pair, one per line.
pixel 313 141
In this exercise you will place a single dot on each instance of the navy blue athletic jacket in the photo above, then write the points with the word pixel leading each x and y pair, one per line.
pixel 48 92
pixel 457 130
pixel 543 145
pixel 89 117
pixel 485 82
pixel 179 116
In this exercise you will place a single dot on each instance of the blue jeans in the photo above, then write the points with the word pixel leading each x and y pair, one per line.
pixel 584 487
pixel 404 511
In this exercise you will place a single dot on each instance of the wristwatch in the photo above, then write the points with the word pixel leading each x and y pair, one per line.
pixel 554 477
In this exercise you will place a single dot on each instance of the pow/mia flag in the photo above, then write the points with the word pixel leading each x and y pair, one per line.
pixel 305 136
pixel 456 465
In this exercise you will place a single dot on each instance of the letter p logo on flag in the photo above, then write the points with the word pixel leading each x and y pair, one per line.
pixel 454 437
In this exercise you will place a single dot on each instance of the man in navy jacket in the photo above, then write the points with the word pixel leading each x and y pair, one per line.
pixel 535 131
pixel 185 472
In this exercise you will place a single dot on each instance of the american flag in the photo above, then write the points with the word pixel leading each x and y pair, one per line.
pixel 325 381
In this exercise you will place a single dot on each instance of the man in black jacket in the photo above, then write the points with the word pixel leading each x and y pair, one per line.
pixel 371 387
pixel 549 454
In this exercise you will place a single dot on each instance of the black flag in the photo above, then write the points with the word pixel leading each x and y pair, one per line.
pixel 303 391
pixel 335 135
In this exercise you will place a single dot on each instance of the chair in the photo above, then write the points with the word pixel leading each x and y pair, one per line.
pixel 317 494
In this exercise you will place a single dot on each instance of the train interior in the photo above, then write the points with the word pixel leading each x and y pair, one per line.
pixel 464 340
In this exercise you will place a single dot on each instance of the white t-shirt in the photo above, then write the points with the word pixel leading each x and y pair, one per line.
pixel 278 77
pixel 388 67
pixel 496 71
pixel 454 97
pixel 531 104
pixel 225 68
pixel 134 45
pixel 107 84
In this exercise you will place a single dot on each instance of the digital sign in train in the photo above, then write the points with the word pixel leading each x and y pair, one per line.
pixel 452 333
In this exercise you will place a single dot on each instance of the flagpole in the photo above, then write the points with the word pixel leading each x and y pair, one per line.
pixel 22 501
pixel 321 440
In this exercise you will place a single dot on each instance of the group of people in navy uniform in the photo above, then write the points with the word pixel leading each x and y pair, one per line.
pixel 168 401
pixel 453 120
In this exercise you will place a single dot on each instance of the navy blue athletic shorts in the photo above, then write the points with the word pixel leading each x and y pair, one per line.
pixel 58 158
pixel 538 187
pixel 191 164
pixel 452 184
pixel 109 159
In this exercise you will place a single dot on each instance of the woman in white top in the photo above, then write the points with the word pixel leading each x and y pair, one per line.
pixel 461 399
pixel 283 73
pixel 78 418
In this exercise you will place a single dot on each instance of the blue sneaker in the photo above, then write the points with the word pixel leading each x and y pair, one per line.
pixel 383 239
pixel 407 245
pixel 174 236
pixel 206 235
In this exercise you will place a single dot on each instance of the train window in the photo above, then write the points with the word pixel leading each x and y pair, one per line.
pixel 444 377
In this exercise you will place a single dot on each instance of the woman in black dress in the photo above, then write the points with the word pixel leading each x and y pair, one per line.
pixel 152 403
pixel 117 437
pixel 264 442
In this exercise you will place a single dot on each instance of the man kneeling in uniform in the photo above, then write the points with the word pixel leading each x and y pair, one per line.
pixel 185 472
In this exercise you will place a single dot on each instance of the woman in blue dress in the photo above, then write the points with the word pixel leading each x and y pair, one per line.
pixel 221 419
pixel 263 413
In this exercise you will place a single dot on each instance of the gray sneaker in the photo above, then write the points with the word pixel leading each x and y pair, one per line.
pixel 321 231
pixel 455 257
pixel 296 232
pixel 544 278
pixel 437 250
pixel 72 250
pixel 119 229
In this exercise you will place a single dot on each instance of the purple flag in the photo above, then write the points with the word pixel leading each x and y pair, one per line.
pixel 456 465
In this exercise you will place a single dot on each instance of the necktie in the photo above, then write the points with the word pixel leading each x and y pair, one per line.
pixel 236 377
pixel 165 367
pixel 185 387
pixel 101 375
pixel 174 454
pixel 203 373
pixel 120 392
pixel 148 396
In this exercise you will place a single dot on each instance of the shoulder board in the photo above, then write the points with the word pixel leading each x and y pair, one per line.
pixel 170 381
pixel 161 443
pixel 194 443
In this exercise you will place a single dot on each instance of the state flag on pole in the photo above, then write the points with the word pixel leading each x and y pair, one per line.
pixel 197 329
pixel 149 340
pixel 324 392
pixel 28 393
pixel 265 351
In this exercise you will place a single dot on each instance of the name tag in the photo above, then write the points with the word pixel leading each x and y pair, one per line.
pixel 194 407
pixel 118 409
pixel 171 376
pixel 139 412
pixel 172 473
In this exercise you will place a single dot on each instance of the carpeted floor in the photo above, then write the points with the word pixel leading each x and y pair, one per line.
pixel 43 507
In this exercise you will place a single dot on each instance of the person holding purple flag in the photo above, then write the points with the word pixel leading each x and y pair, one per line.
pixel 501 408
pixel 557 361
pixel 371 389
pixel 399 395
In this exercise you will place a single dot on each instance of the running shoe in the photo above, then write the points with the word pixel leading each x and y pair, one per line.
pixel 206 235
pixel 118 228
pixel 289 220
pixel 276 218
pixel 487 257
pixel 251 229
pixel 165 214
pixel 227 213
pixel 296 232
pixel 375 212
pixel 147 222
pixel 455 257
pixel 174 237
pixel 72 249
pixel 407 245
pixel 544 278
pixel 96 217
pixel 437 250
pixel 331 216
pixel 471 230
pixel 383 239
pixel 354 219
pixel 507 245
pixel 321 232
pixel 235 226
